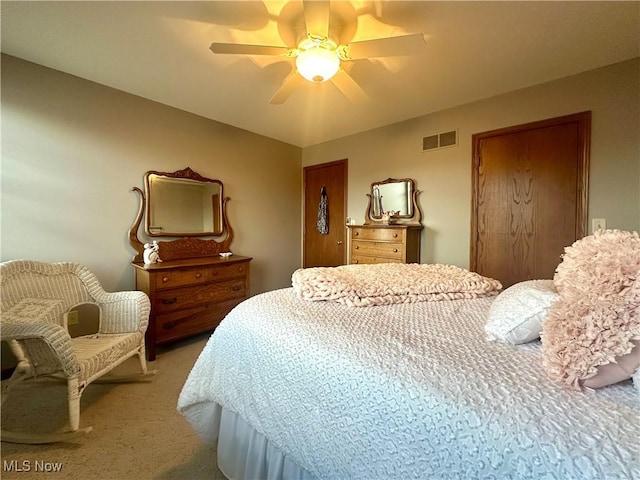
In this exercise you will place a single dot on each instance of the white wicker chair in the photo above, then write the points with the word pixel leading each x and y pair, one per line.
pixel 35 298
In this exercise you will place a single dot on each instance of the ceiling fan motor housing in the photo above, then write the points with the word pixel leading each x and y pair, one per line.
pixel 317 58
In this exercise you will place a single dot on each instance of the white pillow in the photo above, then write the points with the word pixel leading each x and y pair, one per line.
pixel 517 313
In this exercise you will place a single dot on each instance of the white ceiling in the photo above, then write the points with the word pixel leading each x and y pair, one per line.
pixel 474 50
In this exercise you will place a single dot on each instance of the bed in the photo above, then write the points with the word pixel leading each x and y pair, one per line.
pixel 295 388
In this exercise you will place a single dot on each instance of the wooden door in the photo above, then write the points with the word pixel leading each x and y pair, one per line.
pixel 325 249
pixel 529 197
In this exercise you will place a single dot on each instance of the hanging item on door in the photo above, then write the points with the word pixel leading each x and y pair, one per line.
pixel 323 213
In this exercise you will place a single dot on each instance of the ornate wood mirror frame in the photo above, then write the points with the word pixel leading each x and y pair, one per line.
pixel 205 202
pixel 401 196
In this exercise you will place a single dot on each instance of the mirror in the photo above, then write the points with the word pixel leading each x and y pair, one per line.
pixel 183 203
pixel 394 196
pixel 397 196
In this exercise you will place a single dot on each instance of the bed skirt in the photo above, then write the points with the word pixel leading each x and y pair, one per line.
pixel 245 453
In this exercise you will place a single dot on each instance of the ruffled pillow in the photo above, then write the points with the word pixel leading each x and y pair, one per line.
pixel 596 321
pixel 517 314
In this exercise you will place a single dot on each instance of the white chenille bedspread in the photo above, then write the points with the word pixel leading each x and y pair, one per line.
pixel 410 390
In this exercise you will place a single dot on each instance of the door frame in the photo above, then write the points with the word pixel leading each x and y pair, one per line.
pixel 583 119
pixel 344 162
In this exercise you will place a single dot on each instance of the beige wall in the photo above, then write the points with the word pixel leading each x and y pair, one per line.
pixel 73 149
pixel 612 94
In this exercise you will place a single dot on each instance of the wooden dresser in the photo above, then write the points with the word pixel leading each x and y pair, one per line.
pixel 191 276
pixel 379 243
pixel 190 296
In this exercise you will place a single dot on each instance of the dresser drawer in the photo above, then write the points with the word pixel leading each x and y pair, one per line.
pixel 378 249
pixel 181 277
pixel 193 276
pixel 363 259
pixel 186 297
pixel 221 272
pixel 381 234
pixel 182 323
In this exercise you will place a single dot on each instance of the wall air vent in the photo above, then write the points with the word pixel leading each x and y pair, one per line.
pixel 441 140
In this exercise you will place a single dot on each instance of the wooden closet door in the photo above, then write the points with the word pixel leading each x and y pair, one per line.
pixel 529 193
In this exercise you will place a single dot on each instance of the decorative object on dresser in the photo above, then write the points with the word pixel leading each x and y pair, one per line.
pixel 193 282
pixel 392 228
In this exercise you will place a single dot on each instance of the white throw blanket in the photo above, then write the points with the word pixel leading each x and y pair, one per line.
pixel 388 283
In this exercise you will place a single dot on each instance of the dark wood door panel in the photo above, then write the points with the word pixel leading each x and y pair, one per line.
pixel 325 249
pixel 529 191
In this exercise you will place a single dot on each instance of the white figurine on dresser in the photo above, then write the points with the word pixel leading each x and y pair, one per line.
pixel 150 254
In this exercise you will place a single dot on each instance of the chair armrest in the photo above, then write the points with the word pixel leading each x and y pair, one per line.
pixel 48 346
pixel 124 312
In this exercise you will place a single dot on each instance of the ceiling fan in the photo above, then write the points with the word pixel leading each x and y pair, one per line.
pixel 320 58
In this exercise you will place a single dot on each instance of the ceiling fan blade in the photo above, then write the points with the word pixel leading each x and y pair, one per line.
pixel 243 49
pixel 349 88
pixel 286 89
pixel 377 8
pixel 384 47
pixel 316 17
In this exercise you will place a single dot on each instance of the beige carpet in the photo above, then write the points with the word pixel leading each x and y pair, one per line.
pixel 137 432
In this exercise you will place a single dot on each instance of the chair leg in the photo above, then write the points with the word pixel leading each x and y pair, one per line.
pixel 144 376
pixel 143 359
pixel 74 392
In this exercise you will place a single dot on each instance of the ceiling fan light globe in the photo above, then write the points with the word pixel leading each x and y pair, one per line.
pixel 318 64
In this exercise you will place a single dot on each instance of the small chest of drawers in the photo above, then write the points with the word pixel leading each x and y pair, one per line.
pixel 190 296
pixel 384 243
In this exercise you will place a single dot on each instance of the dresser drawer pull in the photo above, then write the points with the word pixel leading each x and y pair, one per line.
pixel 395 250
pixel 165 279
pixel 169 301
pixel 198 275
pixel 356 234
pixel 241 269
pixel 356 247
pixel 357 261
pixel 215 273
pixel 169 325
pixel 395 235
pixel 236 288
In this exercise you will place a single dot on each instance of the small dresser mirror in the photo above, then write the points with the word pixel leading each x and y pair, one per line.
pixel 393 201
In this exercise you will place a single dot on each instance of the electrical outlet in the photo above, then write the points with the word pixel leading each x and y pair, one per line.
pixel 72 318
pixel 598 224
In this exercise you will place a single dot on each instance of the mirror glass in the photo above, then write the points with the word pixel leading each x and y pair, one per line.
pixel 183 204
pixel 392 195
